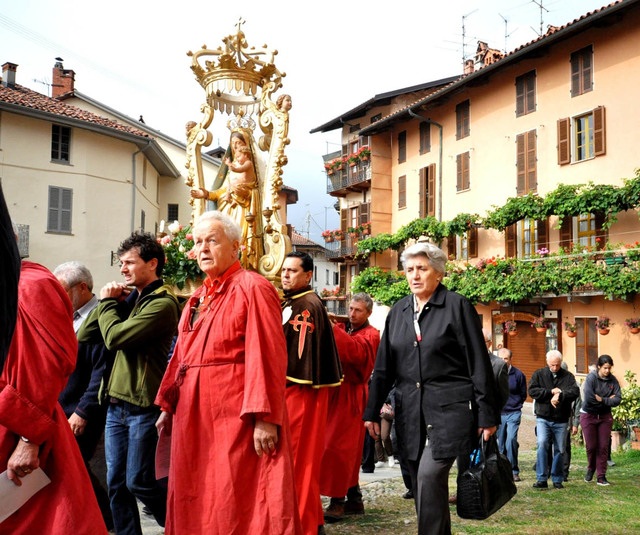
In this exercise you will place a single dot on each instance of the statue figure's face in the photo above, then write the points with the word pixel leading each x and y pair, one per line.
pixel 237 141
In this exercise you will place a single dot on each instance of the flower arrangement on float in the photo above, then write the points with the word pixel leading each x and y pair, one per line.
pixel 180 260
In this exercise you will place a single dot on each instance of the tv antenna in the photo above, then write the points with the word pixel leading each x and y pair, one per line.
pixel 506 32
pixel 542 8
pixel 464 34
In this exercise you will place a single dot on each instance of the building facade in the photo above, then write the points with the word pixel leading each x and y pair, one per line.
pixel 555 113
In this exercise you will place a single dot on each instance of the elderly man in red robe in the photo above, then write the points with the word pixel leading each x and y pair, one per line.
pixel 34 432
pixel 223 400
pixel 357 343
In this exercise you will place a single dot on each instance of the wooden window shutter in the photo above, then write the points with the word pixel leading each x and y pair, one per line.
pixel 451 246
pixel 402 146
pixel 466 183
pixel 599 139
pixel 566 232
pixel 365 216
pixel 600 232
pixel 510 245
pixel 422 192
pixel 459 172
pixel 543 233
pixel 520 164
pixel 564 141
pixel 472 243
pixel 343 276
pixel 532 162
pixel 575 74
pixel 431 190
pixel 402 191
pixel 344 218
pixel 530 92
pixel 520 96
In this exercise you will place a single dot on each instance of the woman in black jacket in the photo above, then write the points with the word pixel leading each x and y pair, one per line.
pixel 601 392
pixel 433 351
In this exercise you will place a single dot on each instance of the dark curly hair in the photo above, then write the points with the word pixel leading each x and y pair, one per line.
pixel 147 246
pixel 306 261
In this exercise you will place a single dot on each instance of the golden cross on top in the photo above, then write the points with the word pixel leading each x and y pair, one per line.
pixel 240 23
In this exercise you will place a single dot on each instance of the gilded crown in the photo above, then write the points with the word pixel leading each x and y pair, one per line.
pixel 235 81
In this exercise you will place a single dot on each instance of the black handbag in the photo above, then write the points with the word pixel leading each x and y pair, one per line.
pixel 487 484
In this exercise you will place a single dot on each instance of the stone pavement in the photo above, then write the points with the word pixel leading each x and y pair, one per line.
pixel 388 480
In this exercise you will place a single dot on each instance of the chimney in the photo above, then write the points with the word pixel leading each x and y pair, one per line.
pixel 9 74
pixel 63 79
pixel 468 66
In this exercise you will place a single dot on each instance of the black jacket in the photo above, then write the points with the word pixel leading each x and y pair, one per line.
pixel 444 381
pixel 605 387
pixel 540 386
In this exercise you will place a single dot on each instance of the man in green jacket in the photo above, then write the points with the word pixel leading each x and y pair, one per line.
pixel 137 319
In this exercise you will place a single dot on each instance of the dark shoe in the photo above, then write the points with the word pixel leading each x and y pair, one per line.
pixel 321 530
pixel 516 478
pixel 368 470
pixel 565 480
pixel 558 485
pixel 588 477
pixel 540 485
pixel 408 495
pixel 602 481
pixel 334 513
pixel 453 499
pixel 353 508
pixel 147 511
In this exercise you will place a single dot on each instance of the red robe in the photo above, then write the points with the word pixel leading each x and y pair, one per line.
pixel 234 364
pixel 344 436
pixel 41 358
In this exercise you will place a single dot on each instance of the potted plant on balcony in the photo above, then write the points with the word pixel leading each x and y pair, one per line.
pixel 338 234
pixel 364 153
pixel 603 324
pixel 353 232
pixel 511 327
pixel 570 329
pixel 540 324
pixel 328 167
pixel 365 228
pixel 325 293
pixel 633 324
pixel 338 163
pixel 328 236
pixel 353 160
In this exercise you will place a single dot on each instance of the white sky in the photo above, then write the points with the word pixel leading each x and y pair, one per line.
pixel 131 55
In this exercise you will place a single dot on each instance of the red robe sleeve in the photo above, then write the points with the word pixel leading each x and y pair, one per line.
pixel 42 355
pixel 357 351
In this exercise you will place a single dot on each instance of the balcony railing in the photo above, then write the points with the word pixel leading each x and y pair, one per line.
pixel 349 177
pixel 342 248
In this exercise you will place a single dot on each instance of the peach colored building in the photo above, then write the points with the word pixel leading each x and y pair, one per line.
pixel 559 110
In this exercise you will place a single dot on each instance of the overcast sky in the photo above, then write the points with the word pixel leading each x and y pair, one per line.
pixel 131 55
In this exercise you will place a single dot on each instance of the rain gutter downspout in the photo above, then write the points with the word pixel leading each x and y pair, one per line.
pixel 429 121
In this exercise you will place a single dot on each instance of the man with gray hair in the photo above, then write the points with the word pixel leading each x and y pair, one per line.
pixel 357 344
pixel 554 389
pixel 79 399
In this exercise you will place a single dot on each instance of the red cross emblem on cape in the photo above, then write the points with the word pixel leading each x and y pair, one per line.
pixel 301 327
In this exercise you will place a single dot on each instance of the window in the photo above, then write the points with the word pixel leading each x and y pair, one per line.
pixel 526 163
pixel 327 278
pixel 60 142
pixel 59 218
pixel 402 192
pixel 376 117
pixel 586 344
pixel 172 212
pixel 427 206
pixel 353 217
pixel 585 229
pixel 462 171
pixel 588 139
pixel 143 220
pixel 582 71
pixel 462 120
pixel 354 128
pixel 315 273
pixel 336 278
pixel 526 237
pixel 526 93
pixel 425 138
pixel 463 247
pixel 402 146
pixel 144 173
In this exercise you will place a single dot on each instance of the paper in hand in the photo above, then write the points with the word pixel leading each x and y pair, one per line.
pixel 13 497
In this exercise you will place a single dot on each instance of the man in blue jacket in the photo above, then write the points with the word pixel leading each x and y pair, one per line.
pixel 512 412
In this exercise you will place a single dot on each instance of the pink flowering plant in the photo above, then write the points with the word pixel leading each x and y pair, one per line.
pixel 603 322
pixel 632 323
pixel 180 258
pixel 570 327
pixel 540 322
pixel 510 326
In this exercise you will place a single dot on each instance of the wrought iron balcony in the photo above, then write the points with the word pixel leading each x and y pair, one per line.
pixel 341 249
pixel 356 178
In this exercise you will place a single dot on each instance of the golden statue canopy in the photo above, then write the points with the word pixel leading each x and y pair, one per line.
pixel 239 81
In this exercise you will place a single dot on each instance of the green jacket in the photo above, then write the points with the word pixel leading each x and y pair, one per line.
pixel 142 340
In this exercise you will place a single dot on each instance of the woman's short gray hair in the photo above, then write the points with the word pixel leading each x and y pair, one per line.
pixel 435 256
pixel 231 228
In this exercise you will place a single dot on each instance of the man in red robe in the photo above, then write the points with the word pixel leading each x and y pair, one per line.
pixel 357 343
pixel 223 402
pixel 313 365
pixel 33 428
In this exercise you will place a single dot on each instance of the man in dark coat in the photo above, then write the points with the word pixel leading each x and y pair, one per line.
pixel 554 390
